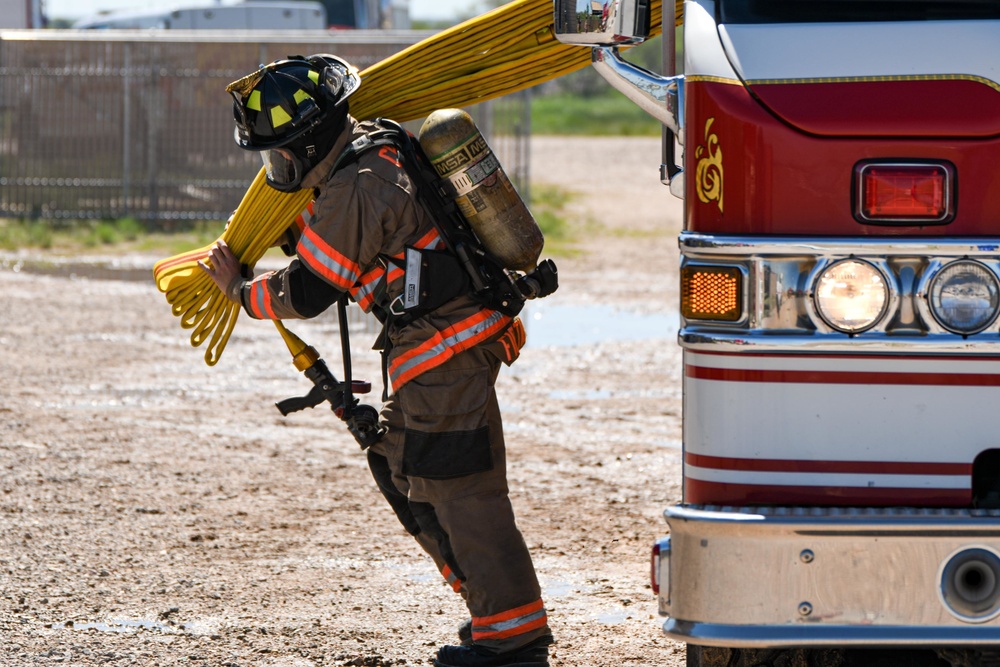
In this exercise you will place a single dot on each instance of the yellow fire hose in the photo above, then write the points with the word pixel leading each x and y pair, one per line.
pixel 501 52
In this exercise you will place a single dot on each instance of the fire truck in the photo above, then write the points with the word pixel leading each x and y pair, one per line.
pixel 839 290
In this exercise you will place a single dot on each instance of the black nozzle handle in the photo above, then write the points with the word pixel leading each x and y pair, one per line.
pixel 296 403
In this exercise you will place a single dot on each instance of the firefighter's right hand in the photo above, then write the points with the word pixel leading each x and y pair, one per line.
pixel 224 269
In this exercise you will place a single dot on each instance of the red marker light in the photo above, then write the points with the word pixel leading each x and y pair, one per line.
pixel 896 193
pixel 654 571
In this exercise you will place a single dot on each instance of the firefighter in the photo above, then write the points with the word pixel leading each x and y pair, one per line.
pixel 441 461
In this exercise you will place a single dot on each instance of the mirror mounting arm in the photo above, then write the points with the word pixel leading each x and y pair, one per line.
pixel 659 96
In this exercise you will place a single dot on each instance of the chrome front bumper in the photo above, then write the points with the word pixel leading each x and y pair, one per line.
pixel 767 577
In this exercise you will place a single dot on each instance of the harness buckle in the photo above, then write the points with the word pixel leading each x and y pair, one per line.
pixel 396 307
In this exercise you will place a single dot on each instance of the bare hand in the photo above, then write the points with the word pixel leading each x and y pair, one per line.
pixel 224 269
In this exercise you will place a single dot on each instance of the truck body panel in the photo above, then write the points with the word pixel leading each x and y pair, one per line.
pixel 840 325
pixel 801 434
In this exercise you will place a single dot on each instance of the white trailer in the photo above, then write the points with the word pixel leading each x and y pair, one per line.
pixel 287 15
pixel 20 14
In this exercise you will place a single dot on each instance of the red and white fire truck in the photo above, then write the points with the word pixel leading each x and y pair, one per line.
pixel 840 286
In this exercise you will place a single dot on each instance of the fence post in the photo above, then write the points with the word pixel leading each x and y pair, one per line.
pixel 127 128
pixel 524 144
pixel 154 112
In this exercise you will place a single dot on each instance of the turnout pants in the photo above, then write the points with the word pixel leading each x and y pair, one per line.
pixel 442 467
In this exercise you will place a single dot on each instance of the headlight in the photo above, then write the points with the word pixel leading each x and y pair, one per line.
pixel 851 295
pixel 964 297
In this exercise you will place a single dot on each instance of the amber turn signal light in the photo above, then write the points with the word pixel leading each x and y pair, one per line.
pixel 712 293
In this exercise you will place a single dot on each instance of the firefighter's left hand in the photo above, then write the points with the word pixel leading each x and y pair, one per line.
pixel 224 270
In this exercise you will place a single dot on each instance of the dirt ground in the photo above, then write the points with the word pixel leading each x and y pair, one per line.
pixel 156 511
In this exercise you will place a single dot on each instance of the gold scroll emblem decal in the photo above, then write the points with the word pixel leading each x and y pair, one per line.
pixel 708 176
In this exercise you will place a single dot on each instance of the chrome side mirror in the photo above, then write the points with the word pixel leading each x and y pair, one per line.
pixel 605 25
pixel 602 22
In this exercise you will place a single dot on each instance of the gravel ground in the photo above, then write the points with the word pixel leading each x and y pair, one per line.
pixel 156 511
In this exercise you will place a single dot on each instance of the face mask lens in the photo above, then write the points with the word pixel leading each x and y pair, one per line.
pixel 333 80
pixel 282 168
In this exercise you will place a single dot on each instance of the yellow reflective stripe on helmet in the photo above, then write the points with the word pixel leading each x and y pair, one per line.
pixel 253 102
pixel 313 76
pixel 279 116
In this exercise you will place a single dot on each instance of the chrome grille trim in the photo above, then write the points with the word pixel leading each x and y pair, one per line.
pixel 781 312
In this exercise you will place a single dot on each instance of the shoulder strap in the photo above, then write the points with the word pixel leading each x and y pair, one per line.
pixel 491 283
pixel 363 144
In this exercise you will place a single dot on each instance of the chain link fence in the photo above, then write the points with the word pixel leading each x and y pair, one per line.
pixel 114 125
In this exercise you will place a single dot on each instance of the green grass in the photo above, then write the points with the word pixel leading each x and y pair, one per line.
pixel 610 114
pixel 548 205
pixel 82 236
pixel 16 234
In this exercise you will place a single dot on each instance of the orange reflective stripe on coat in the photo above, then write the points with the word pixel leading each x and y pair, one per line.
pixel 363 292
pixel 431 240
pixel 446 344
pixel 305 218
pixel 259 298
pixel 326 261
pixel 509 623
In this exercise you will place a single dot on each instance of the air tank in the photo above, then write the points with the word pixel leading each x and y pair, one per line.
pixel 479 185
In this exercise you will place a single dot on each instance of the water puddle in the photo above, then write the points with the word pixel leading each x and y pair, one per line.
pixel 101 268
pixel 580 394
pixel 613 617
pixel 565 325
pixel 556 589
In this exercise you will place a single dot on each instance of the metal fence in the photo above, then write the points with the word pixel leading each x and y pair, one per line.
pixel 106 126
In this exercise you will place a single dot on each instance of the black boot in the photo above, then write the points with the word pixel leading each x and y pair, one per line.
pixel 534 654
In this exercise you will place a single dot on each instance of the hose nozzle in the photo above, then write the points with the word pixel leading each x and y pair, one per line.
pixel 303 356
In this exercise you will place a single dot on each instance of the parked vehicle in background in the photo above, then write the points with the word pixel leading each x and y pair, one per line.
pixel 20 14
pixel 253 15
pixel 368 14
pixel 259 15
pixel 840 291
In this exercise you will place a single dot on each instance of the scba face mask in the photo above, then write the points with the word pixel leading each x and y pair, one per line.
pixel 287 165
pixel 283 169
